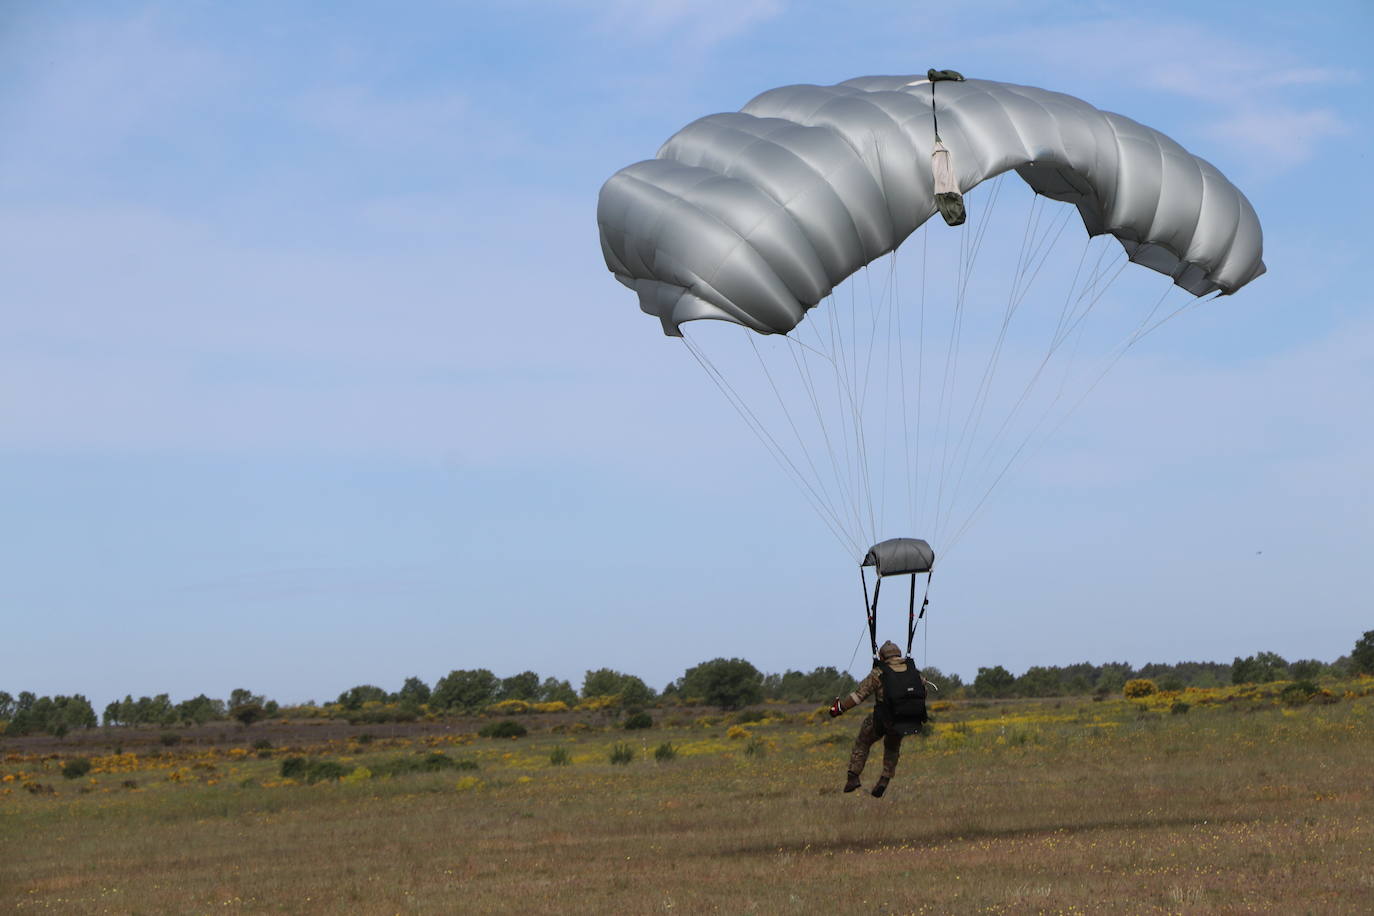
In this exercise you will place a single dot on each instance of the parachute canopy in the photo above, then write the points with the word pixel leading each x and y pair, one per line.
pixel 900 556
pixel 754 216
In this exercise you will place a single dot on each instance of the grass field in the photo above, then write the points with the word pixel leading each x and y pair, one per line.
pixel 1242 804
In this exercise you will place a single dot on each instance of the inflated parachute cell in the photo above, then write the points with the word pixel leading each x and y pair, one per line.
pixel 754 216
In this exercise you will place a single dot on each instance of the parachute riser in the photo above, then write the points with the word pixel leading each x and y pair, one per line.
pixel 913 618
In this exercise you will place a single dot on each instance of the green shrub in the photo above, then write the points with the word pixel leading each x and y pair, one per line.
pixel 320 770
pixel 1179 708
pixel 169 739
pixel 506 728
pixel 262 744
pixel 364 738
pixel 559 757
pixel 433 762
pixel 665 751
pixel 76 768
pixel 639 720
pixel 1299 692
pixel 755 748
pixel 622 754
pixel 750 715
pixel 293 767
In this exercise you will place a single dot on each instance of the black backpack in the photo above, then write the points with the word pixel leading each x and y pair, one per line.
pixel 903 709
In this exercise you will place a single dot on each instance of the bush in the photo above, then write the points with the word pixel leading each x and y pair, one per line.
pixel 1299 692
pixel 755 748
pixel 169 739
pixel 725 682
pixel 433 762
pixel 639 720
pixel 1179 708
pixel 665 751
pixel 750 715
pixel 506 728
pixel 293 767
pixel 559 757
pixel 1139 687
pixel 622 754
pixel 320 770
pixel 76 768
pixel 737 731
pixel 376 715
pixel 262 744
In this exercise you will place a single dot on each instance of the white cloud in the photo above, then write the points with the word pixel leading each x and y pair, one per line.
pixel 1285 137
pixel 1259 96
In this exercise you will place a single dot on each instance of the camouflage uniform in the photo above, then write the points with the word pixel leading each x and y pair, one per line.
pixel 868 731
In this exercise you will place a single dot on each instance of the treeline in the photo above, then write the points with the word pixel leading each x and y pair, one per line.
pixel 729 683
pixel 1105 680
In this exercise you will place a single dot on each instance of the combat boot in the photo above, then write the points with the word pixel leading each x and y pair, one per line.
pixel 852 782
pixel 880 787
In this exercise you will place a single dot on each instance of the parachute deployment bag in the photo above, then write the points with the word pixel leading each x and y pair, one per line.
pixel 903 709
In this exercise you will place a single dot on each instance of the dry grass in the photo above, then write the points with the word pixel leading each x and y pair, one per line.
pixel 1056 806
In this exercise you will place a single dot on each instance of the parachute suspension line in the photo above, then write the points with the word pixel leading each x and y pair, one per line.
pixel 809 385
pixel 920 375
pixel 1035 251
pixel 912 618
pixel 1121 349
pixel 1026 233
pixel 863 477
pixel 893 310
pixel 822 491
pixel 968 258
pixel 1063 331
pixel 844 394
pixel 860 641
pixel 769 443
pixel 872 609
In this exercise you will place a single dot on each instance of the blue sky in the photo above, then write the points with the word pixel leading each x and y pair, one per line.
pixel 312 374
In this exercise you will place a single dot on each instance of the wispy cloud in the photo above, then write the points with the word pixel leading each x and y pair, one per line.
pixel 1257 97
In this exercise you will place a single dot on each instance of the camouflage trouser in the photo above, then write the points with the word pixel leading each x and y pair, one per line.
pixel 868 733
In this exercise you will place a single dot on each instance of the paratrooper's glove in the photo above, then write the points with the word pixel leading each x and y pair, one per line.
pixel 835 709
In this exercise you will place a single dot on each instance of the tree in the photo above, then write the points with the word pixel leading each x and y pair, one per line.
pixel 522 686
pixel 946 682
pixel 1305 669
pixel 821 684
pixel 725 682
pixel 200 709
pixel 241 697
pixel 605 682
pixel 555 691
pixel 993 682
pixel 1258 669
pixel 414 692
pixel 7 706
pixel 1038 681
pixel 465 690
pixel 1362 656
pixel 355 697
pixel 247 713
pixel 53 715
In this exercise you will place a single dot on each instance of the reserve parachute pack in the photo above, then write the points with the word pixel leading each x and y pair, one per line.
pixel 903 709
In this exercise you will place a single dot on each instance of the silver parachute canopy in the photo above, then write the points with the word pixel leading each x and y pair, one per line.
pixel 755 216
